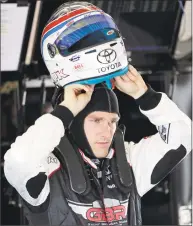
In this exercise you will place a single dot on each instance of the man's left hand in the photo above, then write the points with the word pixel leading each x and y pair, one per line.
pixel 131 83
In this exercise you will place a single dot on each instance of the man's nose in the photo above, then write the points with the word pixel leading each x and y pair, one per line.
pixel 107 127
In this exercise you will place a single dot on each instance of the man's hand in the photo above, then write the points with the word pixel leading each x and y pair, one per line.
pixel 131 83
pixel 76 97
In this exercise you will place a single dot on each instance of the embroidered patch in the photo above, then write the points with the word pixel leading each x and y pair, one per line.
pixel 164 132
pixel 53 164
pixel 52 159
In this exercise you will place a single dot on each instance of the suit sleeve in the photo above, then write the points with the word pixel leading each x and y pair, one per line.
pixel 156 156
pixel 29 162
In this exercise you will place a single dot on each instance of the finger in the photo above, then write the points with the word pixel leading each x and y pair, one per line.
pixel 138 80
pixel 118 79
pixel 118 82
pixel 133 70
pixel 125 78
pixel 78 87
pixel 132 77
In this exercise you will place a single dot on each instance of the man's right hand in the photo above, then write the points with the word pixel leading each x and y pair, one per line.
pixel 76 97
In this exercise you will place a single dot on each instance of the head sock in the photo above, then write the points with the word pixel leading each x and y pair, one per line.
pixel 103 99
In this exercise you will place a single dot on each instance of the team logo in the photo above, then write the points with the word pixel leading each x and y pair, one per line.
pixel 110 214
pixel 114 211
pixel 106 56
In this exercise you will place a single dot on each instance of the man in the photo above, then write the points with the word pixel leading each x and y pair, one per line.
pixel 91 117
pixel 72 166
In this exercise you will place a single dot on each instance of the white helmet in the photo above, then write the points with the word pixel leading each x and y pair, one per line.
pixel 82 44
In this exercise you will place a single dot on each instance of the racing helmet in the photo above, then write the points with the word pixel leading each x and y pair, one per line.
pixel 82 44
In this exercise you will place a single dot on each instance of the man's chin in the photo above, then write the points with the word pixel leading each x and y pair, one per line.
pixel 101 152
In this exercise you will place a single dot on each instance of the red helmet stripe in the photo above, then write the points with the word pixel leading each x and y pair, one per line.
pixel 66 17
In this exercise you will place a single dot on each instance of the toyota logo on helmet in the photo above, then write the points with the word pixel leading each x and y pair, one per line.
pixel 107 56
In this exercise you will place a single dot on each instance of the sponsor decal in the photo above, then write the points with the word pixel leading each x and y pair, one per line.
pixel 164 132
pixel 109 177
pixel 78 67
pixel 110 214
pixel 107 171
pixel 51 50
pixel 110 32
pixel 58 75
pixel 106 56
pixel 109 67
pixel 75 58
pixel 115 211
pixel 52 160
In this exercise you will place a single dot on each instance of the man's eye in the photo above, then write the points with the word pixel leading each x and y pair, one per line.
pixel 97 120
pixel 114 121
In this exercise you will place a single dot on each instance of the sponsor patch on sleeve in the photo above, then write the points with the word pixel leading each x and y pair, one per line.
pixel 53 164
pixel 164 132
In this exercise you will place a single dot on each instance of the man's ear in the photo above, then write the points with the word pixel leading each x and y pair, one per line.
pixel 57 97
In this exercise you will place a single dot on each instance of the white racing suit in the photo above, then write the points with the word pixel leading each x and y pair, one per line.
pixel 41 180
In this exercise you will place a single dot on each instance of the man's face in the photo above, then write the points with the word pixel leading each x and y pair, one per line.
pixel 99 128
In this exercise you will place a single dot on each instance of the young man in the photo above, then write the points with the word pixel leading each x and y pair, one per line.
pixel 107 193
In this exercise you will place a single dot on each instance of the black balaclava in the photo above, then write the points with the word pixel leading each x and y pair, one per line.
pixel 103 99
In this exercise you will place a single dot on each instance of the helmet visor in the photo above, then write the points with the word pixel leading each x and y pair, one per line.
pixel 89 31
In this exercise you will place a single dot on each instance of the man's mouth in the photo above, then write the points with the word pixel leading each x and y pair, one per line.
pixel 103 144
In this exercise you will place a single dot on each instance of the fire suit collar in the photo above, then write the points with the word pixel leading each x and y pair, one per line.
pixel 90 162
